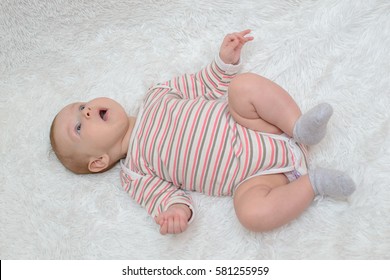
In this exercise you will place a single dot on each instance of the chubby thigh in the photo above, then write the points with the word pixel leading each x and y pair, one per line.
pixel 266 202
pixel 260 104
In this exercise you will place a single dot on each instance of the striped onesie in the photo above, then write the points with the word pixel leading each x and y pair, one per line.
pixel 185 140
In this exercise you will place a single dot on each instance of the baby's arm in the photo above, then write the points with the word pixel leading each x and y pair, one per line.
pixel 168 204
pixel 212 81
pixel 175 219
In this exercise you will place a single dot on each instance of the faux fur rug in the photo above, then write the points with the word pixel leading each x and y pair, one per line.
pixel 56 52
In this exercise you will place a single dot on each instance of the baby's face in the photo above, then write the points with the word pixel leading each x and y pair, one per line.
pixel 90 129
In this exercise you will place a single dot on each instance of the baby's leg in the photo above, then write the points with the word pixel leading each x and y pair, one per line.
pixel 266 202
pixel 259 104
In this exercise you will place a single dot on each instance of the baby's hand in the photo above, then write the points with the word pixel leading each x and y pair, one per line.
pixel 232 44
pixel 174 220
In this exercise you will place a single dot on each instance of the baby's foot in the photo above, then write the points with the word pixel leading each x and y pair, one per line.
pixel 333 183
pixel 310 128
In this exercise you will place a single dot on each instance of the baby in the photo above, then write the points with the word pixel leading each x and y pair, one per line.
pixel 216 132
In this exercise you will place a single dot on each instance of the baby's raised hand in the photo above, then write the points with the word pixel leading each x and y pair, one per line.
pixel 174 220
pixel 232 44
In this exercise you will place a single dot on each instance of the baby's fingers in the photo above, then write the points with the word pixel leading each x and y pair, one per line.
pixel 183 225
pixel 164 229
pixel 159 219
pixel 244 32
pixel 176 225
pixel 241 36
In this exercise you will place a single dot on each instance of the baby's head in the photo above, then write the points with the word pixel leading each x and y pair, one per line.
pixel 89 137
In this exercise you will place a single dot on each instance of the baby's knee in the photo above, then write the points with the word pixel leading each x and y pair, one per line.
pixel 256 219
pixel 243 84
pixel 240 94
pixel 246 89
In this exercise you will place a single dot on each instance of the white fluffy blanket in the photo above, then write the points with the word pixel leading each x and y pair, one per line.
pixel 56 52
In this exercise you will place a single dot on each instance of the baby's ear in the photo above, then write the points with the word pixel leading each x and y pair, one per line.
pixel 98 164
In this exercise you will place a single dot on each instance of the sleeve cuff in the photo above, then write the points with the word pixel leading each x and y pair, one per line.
pixel 192 213
pixel 228 68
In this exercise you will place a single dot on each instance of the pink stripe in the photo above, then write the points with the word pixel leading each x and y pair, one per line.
pixel 225 129
pixel 142 191
pixel 211 144
pixel 218 93
pixel 235 142
pixel 207 75
pixel 193 86
pixel 164 133
pixel 184 87
pixel 181 198
pixel 247 157
pixel 218 69
pixel 186 153
pixel 169 122
pixel 166 196
pixel 293 158
pixel 159 118
pixel 198 145
pixel 260 149
pixel 225 169
pixel 125 181
pixel 283 154
pixel 218 78
pixel 170 143
pixel 202 87
pixel 146 130
pixel 230 185
pixel 272 159
pixel 133 192
pixel 143 130
pixel 152 203
pixel 175 84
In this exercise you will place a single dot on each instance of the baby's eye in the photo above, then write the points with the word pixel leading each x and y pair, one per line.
pixel 78 128
pixel 82 107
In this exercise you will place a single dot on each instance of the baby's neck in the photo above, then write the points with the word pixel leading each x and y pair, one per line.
pixel 126 138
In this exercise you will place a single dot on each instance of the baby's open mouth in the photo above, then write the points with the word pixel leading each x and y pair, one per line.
pixel 103 114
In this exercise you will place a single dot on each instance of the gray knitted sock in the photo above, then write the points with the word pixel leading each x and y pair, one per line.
pixel 333 183
pixel 310 128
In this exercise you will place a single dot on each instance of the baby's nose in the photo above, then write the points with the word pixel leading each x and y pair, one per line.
pixel 87 112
